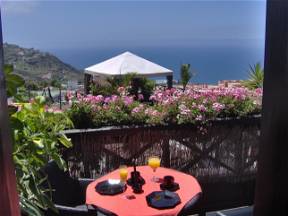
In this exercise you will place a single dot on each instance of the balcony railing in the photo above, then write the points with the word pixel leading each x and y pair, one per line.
pixel 221 154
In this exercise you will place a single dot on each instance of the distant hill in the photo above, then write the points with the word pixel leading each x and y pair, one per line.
pixel 38 66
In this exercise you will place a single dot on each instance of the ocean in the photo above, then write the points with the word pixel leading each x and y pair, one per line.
pixel 210 64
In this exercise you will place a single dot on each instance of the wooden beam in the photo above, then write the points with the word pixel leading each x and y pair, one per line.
pixel 272 181
pixel 9 203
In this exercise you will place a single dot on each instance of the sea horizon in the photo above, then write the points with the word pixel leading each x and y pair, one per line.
pixel 210 63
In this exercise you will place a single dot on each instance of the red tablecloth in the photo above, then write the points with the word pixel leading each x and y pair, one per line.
pixel 122 206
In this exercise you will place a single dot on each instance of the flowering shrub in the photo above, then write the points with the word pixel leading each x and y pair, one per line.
pixel 165 106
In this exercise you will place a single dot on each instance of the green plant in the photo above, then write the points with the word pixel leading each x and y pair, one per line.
pixel 23 95
pixel 32 85
pixel 37 139
pixel 142 86
pixel 55 83
pixel 135 86
pixel 102 89
pixel 256 77
pixel 186 75
pixel 82 115
pixel 13 81
pixel 123 81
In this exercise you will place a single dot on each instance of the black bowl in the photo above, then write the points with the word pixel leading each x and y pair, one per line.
pixel 168 180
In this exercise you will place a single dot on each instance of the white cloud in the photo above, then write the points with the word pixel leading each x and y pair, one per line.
pixel 18 7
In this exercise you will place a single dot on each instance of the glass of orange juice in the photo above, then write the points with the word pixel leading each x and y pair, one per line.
pixel 123 172
pixel 154 163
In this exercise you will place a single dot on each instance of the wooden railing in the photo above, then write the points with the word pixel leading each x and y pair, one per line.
pixel 222 153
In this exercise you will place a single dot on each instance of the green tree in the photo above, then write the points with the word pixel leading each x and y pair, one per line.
pixel 256 77
pixel 186 74
pixel 32 85
pixel 55 83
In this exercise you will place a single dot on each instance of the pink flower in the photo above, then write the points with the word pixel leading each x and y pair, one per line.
pixel 152 112
pixel 121 89
pixel 136 110
pixel 199 118
pixel 184 110
pixel 107 100
pixel 155 113
pixel 114 98
pixel 98 98
pixel 172 90
pixel 259 91
pixel 128 100
pixel 167 91
pixel 68 96
pixel 152 98
pixel 218 107
pixel 202 108
pixel 140 97
pixel 79 96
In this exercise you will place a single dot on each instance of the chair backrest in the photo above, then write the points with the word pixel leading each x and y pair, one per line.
pixel 66 190
pixel 186 210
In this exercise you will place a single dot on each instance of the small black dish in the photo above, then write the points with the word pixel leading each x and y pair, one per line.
pixel 110 188
pixel 163 199
pixel 172 187
pixel 169 184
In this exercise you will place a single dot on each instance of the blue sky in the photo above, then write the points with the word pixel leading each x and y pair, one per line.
pixel 88 24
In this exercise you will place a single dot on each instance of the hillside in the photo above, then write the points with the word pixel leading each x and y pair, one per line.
pixel 36 65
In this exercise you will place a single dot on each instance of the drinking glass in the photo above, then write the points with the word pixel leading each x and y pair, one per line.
pixel 154 163
pixel 123 172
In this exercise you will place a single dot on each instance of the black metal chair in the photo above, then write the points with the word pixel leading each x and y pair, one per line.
pixel 68 193
pixel 190 205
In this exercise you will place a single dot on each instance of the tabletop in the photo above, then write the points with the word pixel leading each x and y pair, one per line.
pixel 120 205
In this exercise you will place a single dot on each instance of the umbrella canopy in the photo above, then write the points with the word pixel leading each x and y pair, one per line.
pixel 126 63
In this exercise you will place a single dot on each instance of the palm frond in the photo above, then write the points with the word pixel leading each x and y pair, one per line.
pixel 256 77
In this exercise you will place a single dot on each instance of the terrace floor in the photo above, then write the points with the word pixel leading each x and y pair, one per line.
pixel 241 211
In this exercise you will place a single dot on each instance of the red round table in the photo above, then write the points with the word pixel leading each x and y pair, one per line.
pixel 120 205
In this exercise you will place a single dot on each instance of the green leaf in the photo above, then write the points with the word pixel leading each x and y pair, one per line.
pixel 29 208
pixel 8 69
pixel 12 110
pixel 256 77
pixel 64 140
pixel 40 100
pixel 16 123
pixel 38 142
